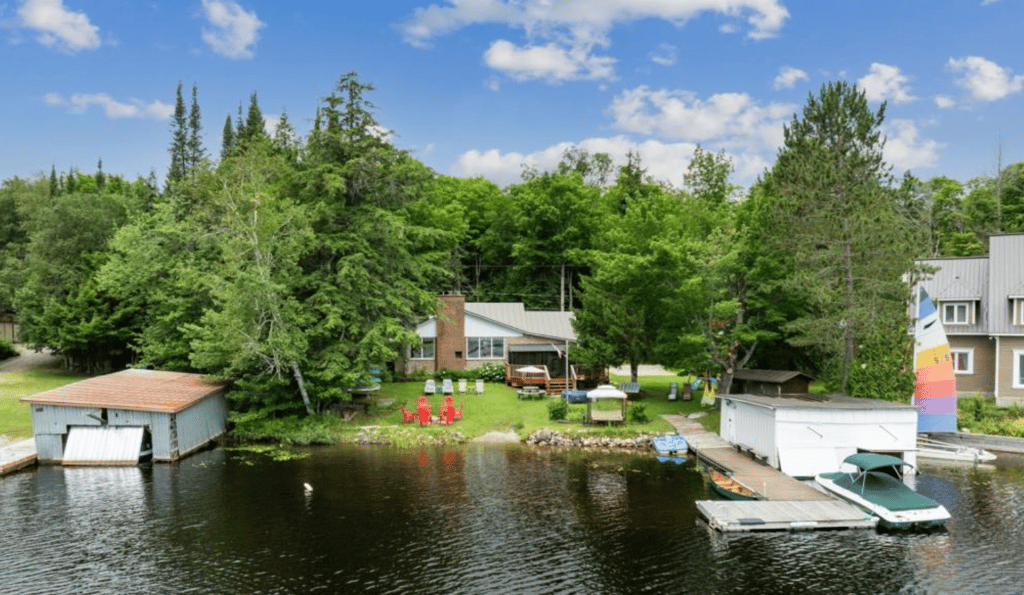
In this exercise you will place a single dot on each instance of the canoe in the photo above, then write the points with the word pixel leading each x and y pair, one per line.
pixel 728 488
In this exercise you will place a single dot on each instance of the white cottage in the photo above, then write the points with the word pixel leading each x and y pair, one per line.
pixel 803 435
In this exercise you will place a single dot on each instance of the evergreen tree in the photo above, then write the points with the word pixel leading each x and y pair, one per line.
pixel 54 181
pixel 179 141
pixel 101 178
pixel 227 139
pixel 834 211
pixel 195 151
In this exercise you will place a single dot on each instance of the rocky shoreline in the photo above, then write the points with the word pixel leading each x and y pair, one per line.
pixel 549 437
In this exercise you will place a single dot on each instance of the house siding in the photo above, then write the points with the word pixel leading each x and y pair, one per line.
pixel 1006 394
pixel 982 379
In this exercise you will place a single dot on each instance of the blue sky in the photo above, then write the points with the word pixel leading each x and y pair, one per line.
pixel 480 87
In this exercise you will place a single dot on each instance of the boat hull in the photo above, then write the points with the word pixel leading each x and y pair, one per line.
pixel 927 517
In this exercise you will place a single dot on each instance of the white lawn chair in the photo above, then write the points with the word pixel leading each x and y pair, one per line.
pixel 479 386
pixel 447 387
pixel 462 386
pixel 429 388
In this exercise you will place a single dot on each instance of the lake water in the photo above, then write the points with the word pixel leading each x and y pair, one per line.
pixel 473 519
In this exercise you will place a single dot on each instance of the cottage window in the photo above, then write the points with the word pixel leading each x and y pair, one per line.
pixel 425 350
pixel 963 360
pixel 1018 368
pixel 956 313
pixel 486 347
pixel 1018 311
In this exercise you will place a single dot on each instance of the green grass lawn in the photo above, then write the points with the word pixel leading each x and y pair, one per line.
pixel 499 409
pixel 15 416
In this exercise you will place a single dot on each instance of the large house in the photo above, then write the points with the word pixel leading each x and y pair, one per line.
pixel 466 335
pixel 981 303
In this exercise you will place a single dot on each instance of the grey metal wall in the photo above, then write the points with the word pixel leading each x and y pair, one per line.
pixel 1006 278
pixel 201 423
pixel 173 435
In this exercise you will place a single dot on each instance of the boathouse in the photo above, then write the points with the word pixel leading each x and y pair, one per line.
pixel 116 418
pixel 803 435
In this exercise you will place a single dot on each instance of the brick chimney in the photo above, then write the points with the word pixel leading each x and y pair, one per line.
pixel 451 333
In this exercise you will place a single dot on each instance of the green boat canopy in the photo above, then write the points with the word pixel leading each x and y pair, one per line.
pixel 869 461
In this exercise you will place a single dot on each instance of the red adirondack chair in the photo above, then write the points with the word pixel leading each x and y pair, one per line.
pixel 458 410
pixel 424 412
pixel 447 413
pixel 407 416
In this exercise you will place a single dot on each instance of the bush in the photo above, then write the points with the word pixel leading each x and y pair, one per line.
pixel 638 413
pixel 491 372
pixel 7 349
pixel 557 409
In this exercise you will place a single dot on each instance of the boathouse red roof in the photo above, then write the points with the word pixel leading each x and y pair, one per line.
pixel 140 390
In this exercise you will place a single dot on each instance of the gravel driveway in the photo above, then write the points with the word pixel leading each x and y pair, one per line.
pixel 29 359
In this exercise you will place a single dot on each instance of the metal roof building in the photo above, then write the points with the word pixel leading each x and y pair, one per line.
pixel 114 419
pixel 810 434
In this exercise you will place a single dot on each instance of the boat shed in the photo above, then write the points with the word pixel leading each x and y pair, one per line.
pixel 116 418
pixel 770 382
pixel 803 435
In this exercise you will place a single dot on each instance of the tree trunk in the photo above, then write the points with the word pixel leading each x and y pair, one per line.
pixel 634 371
pixel 302 388
pixel 848 336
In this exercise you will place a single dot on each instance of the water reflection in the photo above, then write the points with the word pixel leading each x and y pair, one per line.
pixel 479 519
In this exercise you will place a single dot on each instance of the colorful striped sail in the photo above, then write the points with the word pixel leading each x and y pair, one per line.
pixel 935 388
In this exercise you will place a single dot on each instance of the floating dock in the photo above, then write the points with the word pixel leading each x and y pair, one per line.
pixel 17 455
pixel 783 504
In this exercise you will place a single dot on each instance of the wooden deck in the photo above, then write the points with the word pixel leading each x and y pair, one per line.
pixel 783 502
pixel 764 515
pixel 17 455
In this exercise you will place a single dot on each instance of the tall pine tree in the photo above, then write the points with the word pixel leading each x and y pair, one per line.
pixel 179 141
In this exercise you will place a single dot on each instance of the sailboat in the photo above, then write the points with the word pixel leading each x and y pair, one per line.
pixel 935 389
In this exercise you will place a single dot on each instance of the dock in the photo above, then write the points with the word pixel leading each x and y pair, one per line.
pixel 17 455
pixel 783 503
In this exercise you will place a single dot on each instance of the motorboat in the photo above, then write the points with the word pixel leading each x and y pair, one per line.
pixel 875 484
pixel 937 450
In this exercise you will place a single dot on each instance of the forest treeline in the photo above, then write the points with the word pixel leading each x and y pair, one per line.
pixel 292 264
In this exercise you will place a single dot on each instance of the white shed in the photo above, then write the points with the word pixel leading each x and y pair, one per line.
pixel 810 434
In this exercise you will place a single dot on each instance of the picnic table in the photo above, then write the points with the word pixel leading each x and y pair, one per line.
pixel 529 392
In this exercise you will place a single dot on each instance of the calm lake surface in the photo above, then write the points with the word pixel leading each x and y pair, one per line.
pixel 473 519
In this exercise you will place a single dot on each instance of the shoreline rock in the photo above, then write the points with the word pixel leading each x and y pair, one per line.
pixel 549 437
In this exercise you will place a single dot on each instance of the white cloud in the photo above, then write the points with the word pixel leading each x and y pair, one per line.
pixel 560 35
pixel 115 110
pixel 986 80
pixel 492 83
pixel 586 19
pixel 234 32
pixel 944 101
pixel 905 150
pixel 732 120
pixel 59 27
pixel 788 77
pixel 665 162
pixel 665 56
pixel 885 82
pixel 549 62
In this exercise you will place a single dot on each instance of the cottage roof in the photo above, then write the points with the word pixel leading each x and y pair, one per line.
pixel 775 376
pixel 140 390
pixel 547 324
pixel 818 402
